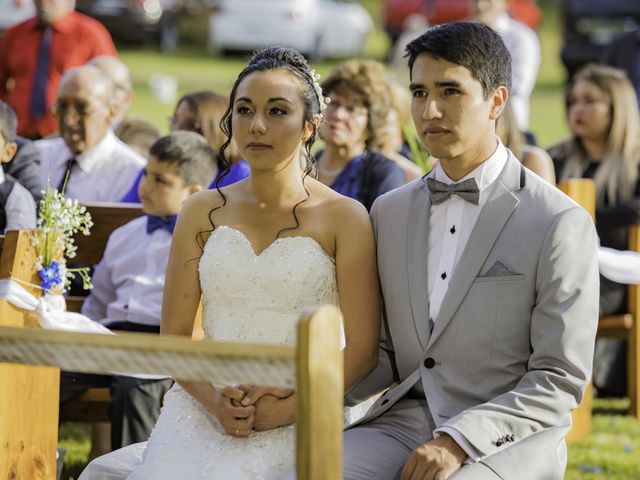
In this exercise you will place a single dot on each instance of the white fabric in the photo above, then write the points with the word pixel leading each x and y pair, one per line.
pixel 104 173
pixel 619 266
pixel 129 280
pixel 445 248
pixel 19 208
pixel 524 47
pixel 248 299
pixel 50 309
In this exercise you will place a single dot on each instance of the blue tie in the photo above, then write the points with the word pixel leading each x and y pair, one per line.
pixel 154 223
pixel 38 105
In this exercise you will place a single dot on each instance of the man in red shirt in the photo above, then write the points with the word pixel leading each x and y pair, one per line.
pixel 34 54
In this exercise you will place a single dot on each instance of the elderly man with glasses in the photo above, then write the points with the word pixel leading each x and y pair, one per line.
pixel 87 160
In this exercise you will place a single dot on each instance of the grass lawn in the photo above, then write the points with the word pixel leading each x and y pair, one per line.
pixel 611 452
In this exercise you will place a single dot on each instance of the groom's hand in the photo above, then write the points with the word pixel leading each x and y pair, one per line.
pixel 435 460
pixel 273 412
pixel 253 394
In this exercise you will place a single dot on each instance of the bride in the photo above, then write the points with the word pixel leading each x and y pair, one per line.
pixel 258 252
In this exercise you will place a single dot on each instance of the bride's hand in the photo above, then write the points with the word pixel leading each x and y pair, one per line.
pixel 253 394
pixel 272 412
pixel 236 419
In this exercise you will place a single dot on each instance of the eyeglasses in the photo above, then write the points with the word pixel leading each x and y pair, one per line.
pixel 80 109
pixel 356 110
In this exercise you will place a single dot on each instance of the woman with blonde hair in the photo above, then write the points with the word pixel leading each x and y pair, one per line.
pixel 603 116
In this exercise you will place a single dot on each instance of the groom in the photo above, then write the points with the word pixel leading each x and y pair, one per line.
pixel 490 285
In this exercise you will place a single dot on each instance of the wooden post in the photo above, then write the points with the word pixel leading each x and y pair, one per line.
pixel 583 192
pixel 320 391
pixel 29 395
pixel 633 334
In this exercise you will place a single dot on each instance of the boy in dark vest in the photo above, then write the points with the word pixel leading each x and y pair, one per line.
pixel 17 207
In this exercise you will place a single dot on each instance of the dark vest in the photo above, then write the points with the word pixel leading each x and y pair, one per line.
pixel 6 188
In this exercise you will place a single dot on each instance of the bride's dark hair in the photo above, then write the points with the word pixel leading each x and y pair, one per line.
pixel 275 58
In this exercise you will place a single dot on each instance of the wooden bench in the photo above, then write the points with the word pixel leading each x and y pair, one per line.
pixel 92 406
pixel 29 393
pixel 626 327
pixel 583 192
pixel 620 326
pixel 106 217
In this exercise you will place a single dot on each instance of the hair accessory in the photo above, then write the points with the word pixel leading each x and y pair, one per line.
pixel 322 100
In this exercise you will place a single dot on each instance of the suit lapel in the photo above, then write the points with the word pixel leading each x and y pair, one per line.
pixel 491 220
pixel 417 254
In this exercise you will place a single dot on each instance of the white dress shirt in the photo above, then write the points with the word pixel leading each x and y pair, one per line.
pixel 19 208
pixel 129 280
pixel 524 47
pixel 104 173
pixel 450 225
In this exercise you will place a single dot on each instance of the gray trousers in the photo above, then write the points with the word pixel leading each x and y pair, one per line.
pixel 378 450
pixel 135 402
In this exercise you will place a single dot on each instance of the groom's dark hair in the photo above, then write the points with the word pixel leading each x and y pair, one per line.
pixel 472 45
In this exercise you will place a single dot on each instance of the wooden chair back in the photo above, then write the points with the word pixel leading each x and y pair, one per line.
pixel 626 327
pixel 30 394
pixel 106 218
pixel 314 367
pixel 583 192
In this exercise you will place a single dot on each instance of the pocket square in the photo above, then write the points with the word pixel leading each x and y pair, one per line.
pixel 499 269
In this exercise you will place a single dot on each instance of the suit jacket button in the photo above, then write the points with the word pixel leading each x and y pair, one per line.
pixel 429 362
pixel 499 443
pixel 510 437
pixel 386 400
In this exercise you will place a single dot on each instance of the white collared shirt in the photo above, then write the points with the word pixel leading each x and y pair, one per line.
pixel 19 208
pixel 129 280
pixel 524 47
pixel 104 173
pixel 450 225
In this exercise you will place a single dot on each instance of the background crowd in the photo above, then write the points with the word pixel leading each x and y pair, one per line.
pixel 65 120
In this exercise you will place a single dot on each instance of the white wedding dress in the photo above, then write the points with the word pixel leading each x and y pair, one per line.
pixel 247 298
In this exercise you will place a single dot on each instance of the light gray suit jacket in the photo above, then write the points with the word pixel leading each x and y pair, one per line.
pixel 511 350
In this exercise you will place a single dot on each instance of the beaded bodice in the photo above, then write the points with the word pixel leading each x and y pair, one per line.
pixel 253 298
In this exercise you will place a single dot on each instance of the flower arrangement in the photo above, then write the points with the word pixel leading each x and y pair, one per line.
pixel 58 220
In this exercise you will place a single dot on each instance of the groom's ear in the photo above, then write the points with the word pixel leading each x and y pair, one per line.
pixel 499 99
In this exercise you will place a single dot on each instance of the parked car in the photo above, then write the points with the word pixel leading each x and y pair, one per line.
pixel 395 12
pixel 13 12
pixel 317 28
pixel 590 26
pixel 136 20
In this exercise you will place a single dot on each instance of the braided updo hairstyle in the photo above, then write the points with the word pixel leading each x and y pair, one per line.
pixel 292 61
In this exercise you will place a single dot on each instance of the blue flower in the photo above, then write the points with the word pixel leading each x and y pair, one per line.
pixel 51 276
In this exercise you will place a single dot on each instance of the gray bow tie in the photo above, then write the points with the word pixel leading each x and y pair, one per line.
pixel 440 191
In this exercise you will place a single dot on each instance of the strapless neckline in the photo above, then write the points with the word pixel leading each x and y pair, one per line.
pixel 275 243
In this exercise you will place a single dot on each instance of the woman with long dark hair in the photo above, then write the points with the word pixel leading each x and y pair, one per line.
pixel 259 252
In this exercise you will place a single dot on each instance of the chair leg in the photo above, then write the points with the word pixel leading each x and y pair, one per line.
pixel 100 440
pixel 633 369
pixel 581 417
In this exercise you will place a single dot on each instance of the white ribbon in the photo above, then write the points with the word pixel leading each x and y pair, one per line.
pixel 52 314
pixel 50 309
